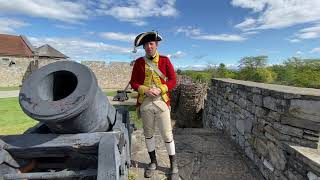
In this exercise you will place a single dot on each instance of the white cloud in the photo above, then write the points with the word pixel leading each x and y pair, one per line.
pixel 299 53
pixel 248 23
pixel 309 33
pixel 250 32
pixel 312 32
pixel 220 37
pixel 118 36
pixel 135 11
pixel 195 33
pixel 189 31
pixel 67 11
pixel 63 26
pixel 177 55
pixel 294 40
pixel 275 14
pixel 8 25
pixel 315 50
pixel 76 48
pixel 74 11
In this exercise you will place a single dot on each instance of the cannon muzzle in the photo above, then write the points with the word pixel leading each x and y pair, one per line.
pixel 65 96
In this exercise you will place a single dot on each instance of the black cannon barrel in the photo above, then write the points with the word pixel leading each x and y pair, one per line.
pixel 65 96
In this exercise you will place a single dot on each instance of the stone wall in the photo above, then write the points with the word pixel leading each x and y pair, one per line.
pixel 13 70
pixel 187 102
pixel 277 127
pixel 114 75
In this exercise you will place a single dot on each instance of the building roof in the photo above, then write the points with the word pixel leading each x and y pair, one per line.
pixel 11 45
pixel 48 51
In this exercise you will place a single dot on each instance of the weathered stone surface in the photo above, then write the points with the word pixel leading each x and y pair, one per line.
pixel 276 155
pixel 260 119
pixel 268 165
pixel 308 156
pixel 260 112
pixel 293 175
pixel 261 147
pixel 108 75
pixel 274 104
pixel 257 99
pixel 312 176
pixel 240 126
pixel 274 115
pixel 304 109
pixel 289 130
pixel 302 123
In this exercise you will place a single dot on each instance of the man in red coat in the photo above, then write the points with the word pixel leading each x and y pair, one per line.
pixel 153 77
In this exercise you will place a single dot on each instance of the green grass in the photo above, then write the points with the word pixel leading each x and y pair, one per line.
pixel 133 94
pixel 110 93
pixel 14 121
pixel 10 88
pixel 12 118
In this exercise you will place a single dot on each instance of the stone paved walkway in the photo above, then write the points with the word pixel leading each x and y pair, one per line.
pixel 203 154
pixel 7 94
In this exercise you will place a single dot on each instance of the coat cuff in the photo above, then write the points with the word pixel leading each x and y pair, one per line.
pixel 164 88
pixel 142 89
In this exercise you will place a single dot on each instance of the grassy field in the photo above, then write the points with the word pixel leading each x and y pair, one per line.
pixel 12 118
pixel 11 88
pixel 14 121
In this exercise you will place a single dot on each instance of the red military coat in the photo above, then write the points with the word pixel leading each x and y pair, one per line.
pixel 139 74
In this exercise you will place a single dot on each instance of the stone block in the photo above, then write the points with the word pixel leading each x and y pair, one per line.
pixel 305 109
pixel 302 123
pixel 293 175
pixel 312 176
pixel 268 165
pixel 274 115
pixel 249 152
pixel 277 156
pixel 261 147
pixel 240 125
pixel 274 104
pixel 288 130
pixel 257 99
pixel 260 112
pixel 276 134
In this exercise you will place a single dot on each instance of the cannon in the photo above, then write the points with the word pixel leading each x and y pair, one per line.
pixel 80 135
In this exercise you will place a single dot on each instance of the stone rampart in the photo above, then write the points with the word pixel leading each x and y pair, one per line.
pixel 114 75
pixel 277 127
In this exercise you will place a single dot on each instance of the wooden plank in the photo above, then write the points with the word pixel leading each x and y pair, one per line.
pixel 51 145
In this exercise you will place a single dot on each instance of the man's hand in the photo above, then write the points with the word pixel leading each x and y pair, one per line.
pixel 153 92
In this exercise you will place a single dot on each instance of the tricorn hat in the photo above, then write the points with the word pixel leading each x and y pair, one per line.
pixel 146 37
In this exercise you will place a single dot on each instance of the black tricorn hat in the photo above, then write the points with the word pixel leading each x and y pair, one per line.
pixel 146 37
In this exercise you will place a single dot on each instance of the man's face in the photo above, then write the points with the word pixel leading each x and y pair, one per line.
pixel 150 48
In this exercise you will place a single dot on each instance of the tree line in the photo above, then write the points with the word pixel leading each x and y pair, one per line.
pixel 292 72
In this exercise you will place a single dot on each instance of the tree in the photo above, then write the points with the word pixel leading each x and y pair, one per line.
pixel 253 62
pixel 179 71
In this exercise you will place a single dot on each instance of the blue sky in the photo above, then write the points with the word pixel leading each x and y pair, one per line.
pixel 195 33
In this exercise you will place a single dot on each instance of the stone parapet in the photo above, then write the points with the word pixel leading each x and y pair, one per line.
pixel 273 124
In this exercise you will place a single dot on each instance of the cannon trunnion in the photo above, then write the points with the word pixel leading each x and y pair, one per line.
pixel 80 135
